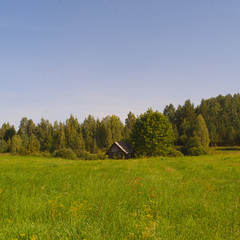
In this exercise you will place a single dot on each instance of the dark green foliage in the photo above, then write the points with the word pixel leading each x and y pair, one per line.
pixel 10 132
pixel 129 123
pixel 222 116
pixel 3 146
pixel 94 136
pixel 201 131
pixel 66 153
pixel 182 119
pixel 152 134
pixel 109 130
pixel 104 136
pixel 194 147
pixel 25 140
pixel 74 139
pixel 170 112
pixel 33 145
pixel 16 144
pixel 195 140
pixel 27 127
pixel 44 132
pixel 7 132
pixel 115 128
pixel 175 153
pixel 89 132
pixel 59 139
pixel 89 156
pixel 194 151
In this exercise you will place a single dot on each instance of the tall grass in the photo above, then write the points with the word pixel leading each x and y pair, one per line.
pixel 156 198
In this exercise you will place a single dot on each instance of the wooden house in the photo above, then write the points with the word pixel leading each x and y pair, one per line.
pixel 120 150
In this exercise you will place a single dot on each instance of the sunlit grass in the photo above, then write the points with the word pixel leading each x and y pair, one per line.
pixel 156 198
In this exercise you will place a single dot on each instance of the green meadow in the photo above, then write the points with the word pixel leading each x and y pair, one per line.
pixel 154 198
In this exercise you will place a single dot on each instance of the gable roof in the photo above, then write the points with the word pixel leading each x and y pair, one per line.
pixel 124 146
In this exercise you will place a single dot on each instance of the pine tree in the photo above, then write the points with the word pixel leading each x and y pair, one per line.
pixel 89 129
pixel 74 139
pixel 33 145
pixel 44 134
pixel 129 123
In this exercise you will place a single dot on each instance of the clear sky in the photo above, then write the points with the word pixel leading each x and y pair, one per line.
pixel 104 57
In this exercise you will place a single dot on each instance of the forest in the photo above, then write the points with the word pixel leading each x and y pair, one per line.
pixel 221 114
pixel 94 136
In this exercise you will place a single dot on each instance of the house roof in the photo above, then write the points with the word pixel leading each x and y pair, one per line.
pixel 124 146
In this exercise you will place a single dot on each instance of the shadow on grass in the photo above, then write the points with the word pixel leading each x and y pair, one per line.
pixel 228 149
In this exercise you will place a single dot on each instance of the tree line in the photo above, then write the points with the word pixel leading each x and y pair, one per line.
pixel 215 121
pixel 93 136
pixel 221 114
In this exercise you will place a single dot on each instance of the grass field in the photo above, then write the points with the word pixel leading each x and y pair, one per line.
pixel 156 198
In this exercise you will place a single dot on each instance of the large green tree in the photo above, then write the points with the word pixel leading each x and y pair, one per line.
pixel 44 134
pixel 59 139
pixel 201 131
pixel 198 142
pixel 16 144
pixel 74 139
pixel 152 134
pixel 103 135
pixel 89 132
pixel 129 123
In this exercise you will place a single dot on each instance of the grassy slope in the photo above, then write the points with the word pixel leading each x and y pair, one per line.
pixel 158 198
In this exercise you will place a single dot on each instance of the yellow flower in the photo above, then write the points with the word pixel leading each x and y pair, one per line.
pixel 9 221
pixel 33 237
pixel 22 234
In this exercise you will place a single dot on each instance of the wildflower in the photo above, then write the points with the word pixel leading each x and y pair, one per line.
pixel 134 214
pixel 9 221
pixel 130 236
pixel 33 237
pixel 22 234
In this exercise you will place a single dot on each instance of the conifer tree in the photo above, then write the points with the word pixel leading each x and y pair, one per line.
pixel 129 123
pixel 33 145
pixel 44 135
pixel 89 128
pixel 74 139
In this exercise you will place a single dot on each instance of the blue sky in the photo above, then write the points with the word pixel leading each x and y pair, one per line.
pixel 104 57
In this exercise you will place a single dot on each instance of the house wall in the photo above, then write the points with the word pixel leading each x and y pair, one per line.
pixel 116 152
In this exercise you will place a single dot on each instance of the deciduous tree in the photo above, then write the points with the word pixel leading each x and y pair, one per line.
pixel 152 134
